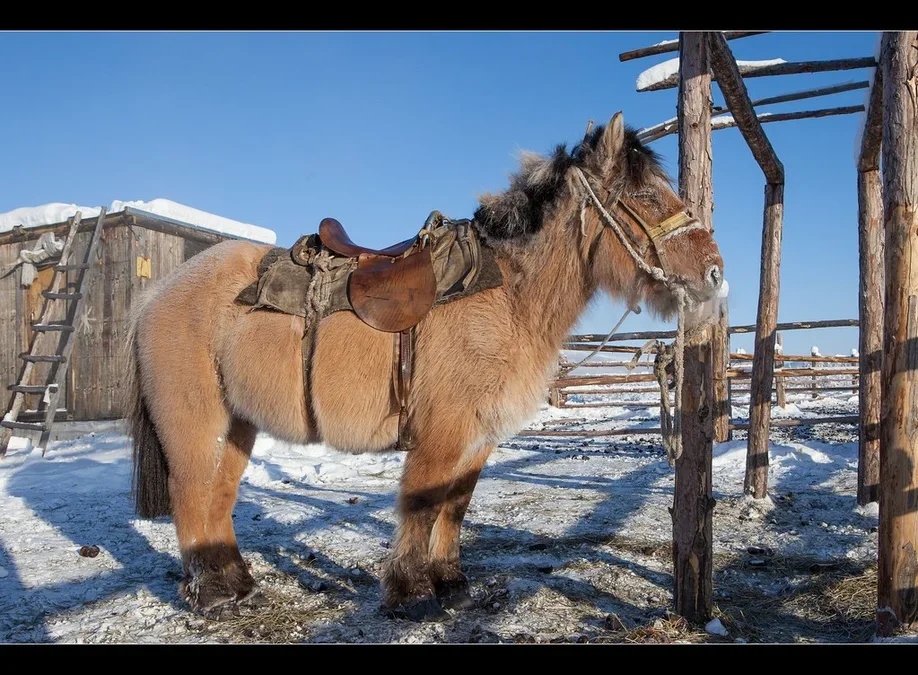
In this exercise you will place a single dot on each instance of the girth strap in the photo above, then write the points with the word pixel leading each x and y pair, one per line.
pixel 403 365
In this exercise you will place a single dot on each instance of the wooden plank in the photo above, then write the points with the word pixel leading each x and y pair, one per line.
pixel 737 98
pixel 673 45
pixel 693 505
pixel 801 95
pixel 870 297
pixel 124 268
pixel 793 68
pixel 804 422
pixel 10 365
pixel 666 334
pixel 897 598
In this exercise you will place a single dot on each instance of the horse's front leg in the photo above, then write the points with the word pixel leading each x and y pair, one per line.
pixel 407 583
pixel 450 584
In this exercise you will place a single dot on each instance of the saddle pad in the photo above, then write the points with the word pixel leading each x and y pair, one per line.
pixel 462 264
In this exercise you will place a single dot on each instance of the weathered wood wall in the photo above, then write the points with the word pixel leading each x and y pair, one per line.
pixel 97 369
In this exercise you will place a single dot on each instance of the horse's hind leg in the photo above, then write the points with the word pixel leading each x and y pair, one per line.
pixel 450 584
pixel 207 453
pixel 224 552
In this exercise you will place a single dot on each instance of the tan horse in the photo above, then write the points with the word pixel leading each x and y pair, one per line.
pixel 208 373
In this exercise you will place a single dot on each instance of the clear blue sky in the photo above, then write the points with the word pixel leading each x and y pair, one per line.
pixel 377 129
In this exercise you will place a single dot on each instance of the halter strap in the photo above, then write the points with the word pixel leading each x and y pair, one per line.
pixel 656 233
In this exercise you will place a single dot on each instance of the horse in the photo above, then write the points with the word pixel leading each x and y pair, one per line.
pixel 207 374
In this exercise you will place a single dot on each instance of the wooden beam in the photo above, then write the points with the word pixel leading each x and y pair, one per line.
pixel 693 505
pixel 801 95
pixel 737 98
pixel 897 601
pixel 870 298
pixel 669 127
pixel 793 68
pixel 673 45
pixel 665 334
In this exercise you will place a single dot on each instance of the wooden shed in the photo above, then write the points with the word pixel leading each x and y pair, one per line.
pixel 137 247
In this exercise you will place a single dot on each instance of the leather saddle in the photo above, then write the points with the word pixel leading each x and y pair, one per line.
pixel 393 288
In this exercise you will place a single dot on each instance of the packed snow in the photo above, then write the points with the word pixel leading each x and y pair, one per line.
pixel 49 214
pixel 566 539
pixel 661 71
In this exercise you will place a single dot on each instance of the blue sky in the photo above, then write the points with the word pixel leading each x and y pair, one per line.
pixel 379 128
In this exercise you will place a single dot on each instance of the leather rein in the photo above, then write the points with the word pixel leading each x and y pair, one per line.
pixel 671 425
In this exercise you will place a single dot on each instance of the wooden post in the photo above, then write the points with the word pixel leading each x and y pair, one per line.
pixel 897 601
pixel 779 380
pixel 693 504
pixel 725 69
pixel 756 481
pixel 870 305
pixel 814 365
pixel 720 346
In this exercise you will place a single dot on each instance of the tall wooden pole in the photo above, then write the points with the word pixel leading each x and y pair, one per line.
pixel 897 601
pixel 870 305
pixel 693 504
pixel 724 67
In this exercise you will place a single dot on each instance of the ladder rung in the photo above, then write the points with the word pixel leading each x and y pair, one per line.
pixel 30 426
pixel 43 358
pixel 38 415
pixel 31 388
pixel 62 296
pixel 74 266
pixel 45 327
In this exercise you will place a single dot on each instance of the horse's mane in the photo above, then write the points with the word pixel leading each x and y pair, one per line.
pixel 520 211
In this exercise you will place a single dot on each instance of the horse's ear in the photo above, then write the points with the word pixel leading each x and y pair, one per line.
pixel 613 137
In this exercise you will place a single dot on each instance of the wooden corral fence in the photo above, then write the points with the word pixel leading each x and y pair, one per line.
pixel 805 375
pixel 888 307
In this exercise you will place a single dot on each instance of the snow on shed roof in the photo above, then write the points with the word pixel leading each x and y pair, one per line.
pixel 56 212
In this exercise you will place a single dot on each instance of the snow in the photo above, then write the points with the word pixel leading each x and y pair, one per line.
pixel 715 627
pixel 56 212
pixel 539 543
pixel 661 71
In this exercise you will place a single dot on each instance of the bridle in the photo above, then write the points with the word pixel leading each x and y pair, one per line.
pixel 656 232
pixel 671 425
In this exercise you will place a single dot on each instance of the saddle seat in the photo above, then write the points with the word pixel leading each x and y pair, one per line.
pixel 391 289
pixel 335 238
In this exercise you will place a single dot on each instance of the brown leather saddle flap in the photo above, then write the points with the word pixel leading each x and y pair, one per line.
pixel 393 294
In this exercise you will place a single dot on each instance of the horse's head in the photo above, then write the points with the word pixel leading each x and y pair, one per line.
pixel 643 242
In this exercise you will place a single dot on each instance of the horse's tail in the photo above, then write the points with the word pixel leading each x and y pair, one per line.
pixel 150 480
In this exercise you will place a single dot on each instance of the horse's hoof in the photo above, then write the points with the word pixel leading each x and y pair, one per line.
pixel 455 594
pixel 426 610
pixel 222 612
pixel 254 599
pixel 457 598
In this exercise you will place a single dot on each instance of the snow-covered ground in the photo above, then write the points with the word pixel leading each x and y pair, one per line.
pixel 565 540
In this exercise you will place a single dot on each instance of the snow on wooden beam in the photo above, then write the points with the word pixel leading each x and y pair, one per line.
pixel 726 121
pixel 673 45
pixel 766 69
pixel 801 95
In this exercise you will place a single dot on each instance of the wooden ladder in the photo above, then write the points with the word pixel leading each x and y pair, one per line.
pixel 53 341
